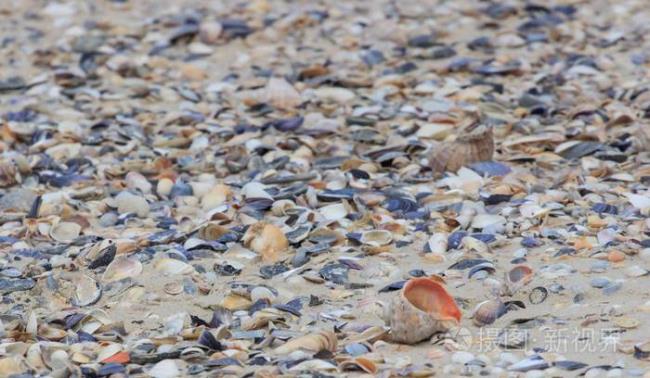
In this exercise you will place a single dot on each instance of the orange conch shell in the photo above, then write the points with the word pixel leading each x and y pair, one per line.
pixel 422 308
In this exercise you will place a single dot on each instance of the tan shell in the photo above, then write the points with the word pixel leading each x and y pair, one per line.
pixel 267 240
pixel 359 363
pixel 315 342
pixel 470 147
pixel 422 308
pixel 281 94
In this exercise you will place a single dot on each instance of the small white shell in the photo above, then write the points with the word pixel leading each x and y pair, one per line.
pixel 65 231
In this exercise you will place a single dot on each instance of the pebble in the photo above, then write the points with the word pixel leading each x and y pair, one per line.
pixel 600 282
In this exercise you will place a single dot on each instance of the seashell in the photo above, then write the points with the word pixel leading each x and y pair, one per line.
pixel 438 242
pixel 488 312
pixel 520 275
pixel 165 369
pixel 260 292
pixel 192 353
pixel 473 244
pixel 107 350
pixel 483 267
pixel 279 208
pixel 422 308
pixel 255 190
pixel 135 180
pixel 173 288
pixel 376 238
pixel 334 94
pixel 641 202
pixel 280 94
pixel 234 302
pixel 103 256
pixel 212 231
pixel 122 267
pixel 267 240
pixel 359 363
pixel 538 295
pixel 370 335
pixel 474 145
pixel 65 231
pixel 333 212
pixel 164 187
pixel 10 366
pixel 88 291
pixel 171 266
pixel 482 221
pixel 316 342
pixel 216 196
pixel 127 202
pixel 210 31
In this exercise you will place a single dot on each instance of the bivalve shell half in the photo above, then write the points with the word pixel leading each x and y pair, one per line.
pixel 65 231
pixel 376 238
pixel 122 267
pixel 324 340
pixel 171 266
pixel 422 308
pixel 488 312
pixel 520 275
pixel 267 240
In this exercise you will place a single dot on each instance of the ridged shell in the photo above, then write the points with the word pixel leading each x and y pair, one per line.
pixel 469 148
pixel 422 308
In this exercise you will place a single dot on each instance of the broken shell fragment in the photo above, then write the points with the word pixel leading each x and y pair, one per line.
pixel 88 291
pixel 422 308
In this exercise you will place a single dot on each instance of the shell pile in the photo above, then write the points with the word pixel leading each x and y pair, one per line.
pixel 275 188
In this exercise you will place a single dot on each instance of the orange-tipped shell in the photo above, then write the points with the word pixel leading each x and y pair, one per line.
pixel 422 308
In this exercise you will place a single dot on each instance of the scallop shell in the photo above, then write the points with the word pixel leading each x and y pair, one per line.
pixel 324 340
pixel 488 312
pixel 267 240
pixel 65 231
pixel 422 308
pixel 471 147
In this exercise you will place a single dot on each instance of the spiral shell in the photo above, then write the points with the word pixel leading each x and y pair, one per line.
pixel 422 308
